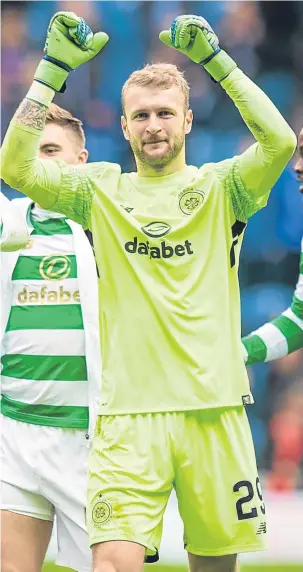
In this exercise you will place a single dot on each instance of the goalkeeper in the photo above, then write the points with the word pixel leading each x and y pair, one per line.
pixel 167 241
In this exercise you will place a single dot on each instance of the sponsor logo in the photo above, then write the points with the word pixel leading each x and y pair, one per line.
pixel 101 511
pixel 45 295
pixel 164 250
pixel 190 200
pixel 55 267
pixel 156 229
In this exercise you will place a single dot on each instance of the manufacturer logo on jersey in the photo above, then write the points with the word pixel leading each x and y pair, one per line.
pixel 156 229
pixel 164 250
pixel 190 200
pixel 101 511
pixel 127 209
pixel 55 267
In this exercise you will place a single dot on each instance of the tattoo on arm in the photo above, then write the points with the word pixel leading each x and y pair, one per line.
pixel 259 131
pixel 32 114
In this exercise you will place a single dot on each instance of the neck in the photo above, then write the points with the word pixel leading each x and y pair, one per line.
pixel 177 164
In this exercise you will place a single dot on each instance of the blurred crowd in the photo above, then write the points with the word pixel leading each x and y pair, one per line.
pixel 266 40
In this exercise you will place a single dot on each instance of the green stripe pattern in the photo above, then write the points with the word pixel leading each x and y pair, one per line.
pixel 50 227
pixel 30 267
pixel 291 331
pixel 52 415
pixel 51 368
pixel 297 307
pixel 256 349
pixel 36 311
pixel 51 317
pixel 281 336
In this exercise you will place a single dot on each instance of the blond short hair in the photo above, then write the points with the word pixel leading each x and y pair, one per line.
pixel 159 75
pixel 64 118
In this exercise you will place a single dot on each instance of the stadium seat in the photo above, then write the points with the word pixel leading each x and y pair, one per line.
pixel 262 302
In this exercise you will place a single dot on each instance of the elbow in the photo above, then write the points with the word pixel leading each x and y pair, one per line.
pixel 8 170
pixel 288 144
pixel 8 176
pixel 15 174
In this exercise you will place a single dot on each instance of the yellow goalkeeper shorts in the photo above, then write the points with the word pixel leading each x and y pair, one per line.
pixel 207 456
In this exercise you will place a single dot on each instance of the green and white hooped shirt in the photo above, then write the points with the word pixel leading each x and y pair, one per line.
pixel 281 336
pixel 44 371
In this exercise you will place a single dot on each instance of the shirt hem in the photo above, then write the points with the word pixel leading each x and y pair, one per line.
pixel 49 422
pixel 228 550
pixel 200 406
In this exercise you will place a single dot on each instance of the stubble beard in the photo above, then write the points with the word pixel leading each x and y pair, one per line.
pixel 161 160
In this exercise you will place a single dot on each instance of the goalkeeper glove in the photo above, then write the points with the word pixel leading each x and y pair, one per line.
pixel 69 43
pixel 194 37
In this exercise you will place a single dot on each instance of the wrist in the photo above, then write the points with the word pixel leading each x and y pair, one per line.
pixel 41 93
pixel 51 75
pixel 220 66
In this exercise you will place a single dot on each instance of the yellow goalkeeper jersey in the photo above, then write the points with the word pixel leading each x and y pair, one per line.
pixel 167 250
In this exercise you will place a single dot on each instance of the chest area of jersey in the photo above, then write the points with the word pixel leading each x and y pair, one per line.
pixel 46 272
pixel 159 225
pixel 160 203
pixel 203 231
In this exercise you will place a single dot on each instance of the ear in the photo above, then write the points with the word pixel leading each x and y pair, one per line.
pixel 124 127
pixel 83 156
pixel 188 121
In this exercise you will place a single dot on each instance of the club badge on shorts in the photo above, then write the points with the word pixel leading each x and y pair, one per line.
pixel 101 511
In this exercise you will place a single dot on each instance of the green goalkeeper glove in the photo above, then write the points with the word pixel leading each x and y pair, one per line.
pixel 194 37
pixel 69 43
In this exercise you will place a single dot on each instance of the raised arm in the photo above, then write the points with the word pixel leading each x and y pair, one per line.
pixel 69 43
pixel 20 166
pixel 261 164
pixel 281 336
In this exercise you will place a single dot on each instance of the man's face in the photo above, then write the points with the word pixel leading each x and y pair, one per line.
pixel 299 163
pixel 155 124
pixel 61 143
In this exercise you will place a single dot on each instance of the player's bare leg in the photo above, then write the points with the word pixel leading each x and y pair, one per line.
pixel 213 563
pixel 24 541
pixel 118 556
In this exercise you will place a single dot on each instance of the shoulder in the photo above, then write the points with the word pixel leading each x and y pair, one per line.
pixel 223 168
pixel 99 170
pixel 219 169
pixel 88 171
pixel 216 175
